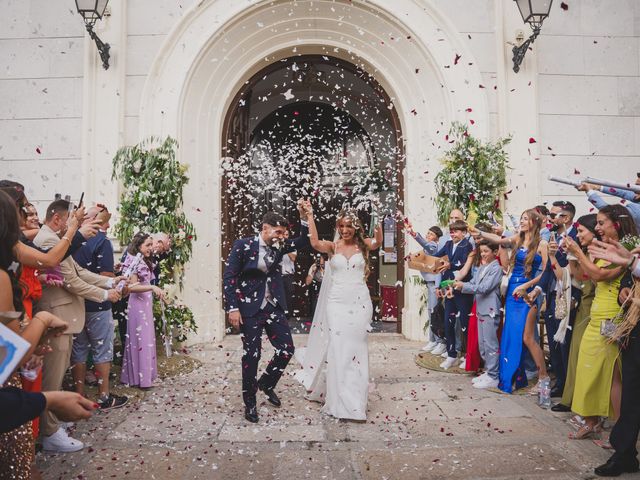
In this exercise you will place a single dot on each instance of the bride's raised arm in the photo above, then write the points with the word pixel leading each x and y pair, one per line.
pixel 323 246
pixel 374 243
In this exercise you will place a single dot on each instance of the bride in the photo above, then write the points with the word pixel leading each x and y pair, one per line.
pixel 336 361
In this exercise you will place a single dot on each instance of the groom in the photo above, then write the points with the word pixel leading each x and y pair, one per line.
pixel 255 300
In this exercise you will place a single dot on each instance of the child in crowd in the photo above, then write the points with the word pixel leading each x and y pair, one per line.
pixel 485 285
pixel 436 344
pixel 458 308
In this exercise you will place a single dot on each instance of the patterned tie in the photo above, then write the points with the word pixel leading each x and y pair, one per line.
pixel 269 256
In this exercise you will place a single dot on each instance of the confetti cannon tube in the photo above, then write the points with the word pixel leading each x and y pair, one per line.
pixel 609 184
pixel 573 183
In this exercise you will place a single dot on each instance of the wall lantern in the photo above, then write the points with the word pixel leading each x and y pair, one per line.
pixel 91 11
pixel 533 12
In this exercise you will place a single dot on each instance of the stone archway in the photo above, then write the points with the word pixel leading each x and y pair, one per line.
pixel 330 120
pixel 219 44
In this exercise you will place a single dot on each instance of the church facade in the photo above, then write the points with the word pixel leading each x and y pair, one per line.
pixel 179 68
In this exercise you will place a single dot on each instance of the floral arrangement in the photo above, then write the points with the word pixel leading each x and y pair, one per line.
pixel 179 318
pixel 152 201
pixel 630 242
pixel 473 177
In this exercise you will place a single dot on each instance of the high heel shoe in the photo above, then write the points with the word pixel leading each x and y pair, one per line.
pixel 586 431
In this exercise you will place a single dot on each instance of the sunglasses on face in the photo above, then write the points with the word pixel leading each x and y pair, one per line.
pixel 554 215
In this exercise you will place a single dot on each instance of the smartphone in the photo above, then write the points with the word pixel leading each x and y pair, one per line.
pixel 552 238
pixel 81 200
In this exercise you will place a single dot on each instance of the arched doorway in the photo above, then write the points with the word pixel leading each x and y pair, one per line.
pixel 318 127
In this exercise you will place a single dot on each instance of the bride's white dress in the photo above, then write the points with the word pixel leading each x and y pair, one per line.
pixel 336 360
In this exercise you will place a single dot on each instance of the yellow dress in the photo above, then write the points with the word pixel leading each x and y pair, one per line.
pixel 597 357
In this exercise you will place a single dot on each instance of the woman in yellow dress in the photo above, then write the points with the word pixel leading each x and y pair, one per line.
pixel 598 385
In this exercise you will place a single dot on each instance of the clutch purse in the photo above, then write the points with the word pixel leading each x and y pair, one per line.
pixel 607 328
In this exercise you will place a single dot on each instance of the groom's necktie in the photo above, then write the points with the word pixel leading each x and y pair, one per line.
pixel 269 256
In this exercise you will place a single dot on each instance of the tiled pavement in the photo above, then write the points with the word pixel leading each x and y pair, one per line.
pixel 422 425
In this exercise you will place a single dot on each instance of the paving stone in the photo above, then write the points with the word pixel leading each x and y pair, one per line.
pixel 458 463
pixel 272 433
pixel 193 426
pixel 490 407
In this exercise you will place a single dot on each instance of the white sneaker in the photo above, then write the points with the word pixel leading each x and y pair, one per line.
pixel 445 354
pixel 61 442
pixel 67 425
pixel 448 363
pixel 463 364
pixel 488 382
pixel 479 378
pixel 429 346
pixel 439 349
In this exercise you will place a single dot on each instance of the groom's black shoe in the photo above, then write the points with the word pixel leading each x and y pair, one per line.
pixel 616 467
pixel 560 407
pixel 251 413
pixel 271 396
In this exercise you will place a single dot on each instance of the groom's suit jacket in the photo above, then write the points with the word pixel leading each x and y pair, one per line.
pixel 245 284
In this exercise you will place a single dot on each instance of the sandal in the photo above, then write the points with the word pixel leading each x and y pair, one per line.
pixel 603 443
pixel 586 431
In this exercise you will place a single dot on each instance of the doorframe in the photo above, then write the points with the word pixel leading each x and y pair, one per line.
pixel 235 108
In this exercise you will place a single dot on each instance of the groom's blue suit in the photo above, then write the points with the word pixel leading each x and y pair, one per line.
pixel 245 284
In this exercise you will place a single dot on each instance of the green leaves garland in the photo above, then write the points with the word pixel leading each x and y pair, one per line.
pixel 152 202
pixel 474 176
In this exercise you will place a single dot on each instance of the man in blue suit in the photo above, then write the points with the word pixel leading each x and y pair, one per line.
pixel 255 300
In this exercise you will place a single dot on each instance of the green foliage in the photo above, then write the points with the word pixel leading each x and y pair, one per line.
pixel 152 202
pixel 179 318
pixel 474 176
pixel 423 299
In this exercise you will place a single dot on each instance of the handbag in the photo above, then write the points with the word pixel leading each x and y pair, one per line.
pixel 561 304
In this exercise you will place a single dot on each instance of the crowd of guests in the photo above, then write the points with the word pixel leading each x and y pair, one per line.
pixel 494 287
pixel 59 287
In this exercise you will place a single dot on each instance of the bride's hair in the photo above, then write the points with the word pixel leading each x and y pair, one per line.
pixel 359 235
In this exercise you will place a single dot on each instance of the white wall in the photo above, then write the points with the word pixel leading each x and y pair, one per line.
pixel 41 68
pixel 589 94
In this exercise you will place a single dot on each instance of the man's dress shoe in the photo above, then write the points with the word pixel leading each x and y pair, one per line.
pixel 271 396
pixel 616 467
pixel 251 414
pixel 559 407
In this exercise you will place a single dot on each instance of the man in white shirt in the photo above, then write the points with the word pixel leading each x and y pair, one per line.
pixel 288 274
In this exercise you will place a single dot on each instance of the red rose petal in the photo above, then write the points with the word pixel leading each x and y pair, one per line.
pixel 532 140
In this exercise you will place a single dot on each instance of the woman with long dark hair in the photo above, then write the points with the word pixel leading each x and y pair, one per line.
pixel 586 226
pixel 336 367
pixel 139 366
pixel 598 384
pixel 529 256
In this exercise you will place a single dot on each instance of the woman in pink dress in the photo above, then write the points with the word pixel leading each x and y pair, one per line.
pixel 139 366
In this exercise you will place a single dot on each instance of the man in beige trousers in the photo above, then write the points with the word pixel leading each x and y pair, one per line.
pixel 66 302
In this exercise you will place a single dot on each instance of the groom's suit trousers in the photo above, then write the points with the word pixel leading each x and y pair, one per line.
pixel 274 322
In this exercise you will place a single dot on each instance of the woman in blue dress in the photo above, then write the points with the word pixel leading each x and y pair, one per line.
pixel 528 261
